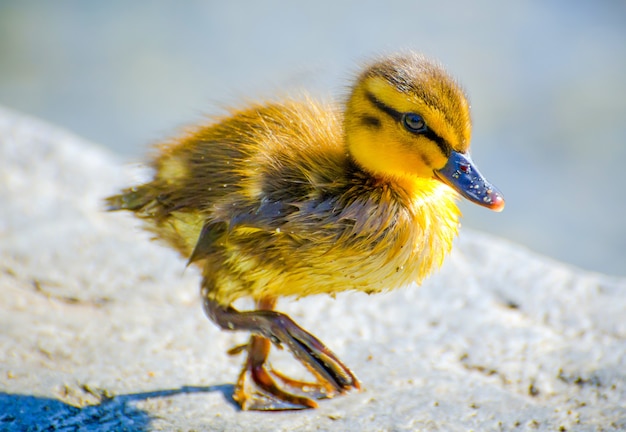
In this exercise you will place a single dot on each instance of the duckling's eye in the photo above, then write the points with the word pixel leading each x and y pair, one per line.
pixel 414 123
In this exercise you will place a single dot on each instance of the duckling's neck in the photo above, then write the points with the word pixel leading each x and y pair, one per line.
pixel 410 187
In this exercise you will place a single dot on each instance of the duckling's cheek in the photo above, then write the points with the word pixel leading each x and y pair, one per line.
pixel 417 164
pixel 403 162
pixel 437 161
pixel 419 158
pixel 384 155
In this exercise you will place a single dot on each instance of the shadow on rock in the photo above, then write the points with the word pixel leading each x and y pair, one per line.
pixel 32 413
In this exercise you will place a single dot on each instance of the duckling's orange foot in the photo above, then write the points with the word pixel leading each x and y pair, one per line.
pixel 257 389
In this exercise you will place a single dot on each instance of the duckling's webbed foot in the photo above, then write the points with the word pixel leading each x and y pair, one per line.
pixel 256 388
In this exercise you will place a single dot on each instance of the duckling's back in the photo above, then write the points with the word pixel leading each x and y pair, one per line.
pixel 230 168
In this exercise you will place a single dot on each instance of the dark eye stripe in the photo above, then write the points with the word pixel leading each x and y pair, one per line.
pixel 397 116
pixel 443 146
pixel 371 121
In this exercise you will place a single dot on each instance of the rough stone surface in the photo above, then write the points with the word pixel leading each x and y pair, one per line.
pixel 102 329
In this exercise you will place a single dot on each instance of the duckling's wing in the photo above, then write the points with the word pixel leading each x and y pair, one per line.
pixel 207 239
pixel 267 216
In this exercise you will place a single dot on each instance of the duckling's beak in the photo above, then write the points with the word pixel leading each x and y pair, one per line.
pixel 461 174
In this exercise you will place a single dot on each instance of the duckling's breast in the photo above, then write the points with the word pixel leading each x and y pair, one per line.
pixel 368 238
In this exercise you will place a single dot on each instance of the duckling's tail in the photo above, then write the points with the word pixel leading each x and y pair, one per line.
pixel 133 199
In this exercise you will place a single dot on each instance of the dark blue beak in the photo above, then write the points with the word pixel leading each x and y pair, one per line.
pixel 461 174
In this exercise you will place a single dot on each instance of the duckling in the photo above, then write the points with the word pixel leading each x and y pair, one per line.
pixel 297 197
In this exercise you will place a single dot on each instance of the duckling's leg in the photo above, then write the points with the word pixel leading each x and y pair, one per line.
pixel 270 326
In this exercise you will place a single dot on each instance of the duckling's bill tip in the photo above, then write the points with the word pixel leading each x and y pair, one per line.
pixel 497 203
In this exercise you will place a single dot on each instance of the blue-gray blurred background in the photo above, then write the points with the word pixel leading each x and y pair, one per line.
pixel 547 81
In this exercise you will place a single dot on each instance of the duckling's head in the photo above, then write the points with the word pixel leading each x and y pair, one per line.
pixel 407 118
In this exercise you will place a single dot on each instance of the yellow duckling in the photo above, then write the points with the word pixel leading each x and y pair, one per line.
pixel 295 198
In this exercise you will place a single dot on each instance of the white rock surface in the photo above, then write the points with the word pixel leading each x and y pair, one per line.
pixel 101 329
